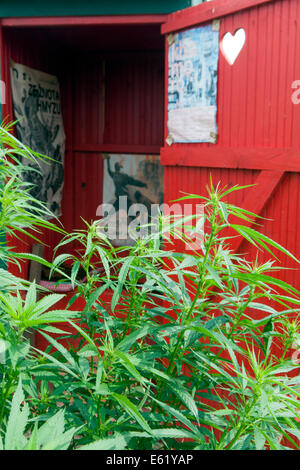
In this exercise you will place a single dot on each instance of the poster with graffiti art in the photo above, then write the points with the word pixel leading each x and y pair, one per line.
pixel 192 86
pixel 133 187
pixel 36 103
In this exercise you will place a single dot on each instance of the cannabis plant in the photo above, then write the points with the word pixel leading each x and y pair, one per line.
pixel 177 348
pixel 174 349
pixel 23 305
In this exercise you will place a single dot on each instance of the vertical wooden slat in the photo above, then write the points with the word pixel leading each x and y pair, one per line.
pixel 255 111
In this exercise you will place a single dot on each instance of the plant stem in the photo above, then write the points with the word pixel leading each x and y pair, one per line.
pixel 199 290
pixel 6 392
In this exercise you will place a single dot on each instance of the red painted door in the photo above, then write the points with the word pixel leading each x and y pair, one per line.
pixel 258 140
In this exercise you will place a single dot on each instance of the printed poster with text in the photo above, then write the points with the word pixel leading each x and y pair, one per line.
pixel 192 89
pixel 36 103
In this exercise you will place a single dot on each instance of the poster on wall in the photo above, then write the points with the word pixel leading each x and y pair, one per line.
pixel 133 187
pixel 192 86
pixel 36 104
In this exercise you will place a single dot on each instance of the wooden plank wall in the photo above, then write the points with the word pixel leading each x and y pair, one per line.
pixel 258 127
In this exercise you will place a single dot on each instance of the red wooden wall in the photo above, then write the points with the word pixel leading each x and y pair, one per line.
pixel 258 125
pixel 112 101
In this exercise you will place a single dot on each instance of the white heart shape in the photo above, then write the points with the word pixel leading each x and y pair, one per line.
pixel 232 45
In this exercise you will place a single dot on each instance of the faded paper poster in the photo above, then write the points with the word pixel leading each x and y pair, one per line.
pixel 36 103
pixel 192 89
pixel 131 180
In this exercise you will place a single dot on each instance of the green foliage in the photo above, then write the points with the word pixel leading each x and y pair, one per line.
pixel 49 436
pixel 21 214
pixel 176 350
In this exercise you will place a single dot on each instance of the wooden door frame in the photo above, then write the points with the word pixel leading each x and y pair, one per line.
pixel 69 21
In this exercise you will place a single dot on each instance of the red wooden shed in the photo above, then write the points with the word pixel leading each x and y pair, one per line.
pixel 125 110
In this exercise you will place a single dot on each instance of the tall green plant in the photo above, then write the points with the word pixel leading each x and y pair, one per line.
pixel 171 354
pixel 177 359
pixel 21 215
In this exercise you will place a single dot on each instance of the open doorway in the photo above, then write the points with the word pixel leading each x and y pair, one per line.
pixel 112 84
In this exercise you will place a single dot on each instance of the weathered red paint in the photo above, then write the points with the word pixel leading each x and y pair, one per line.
pixel 206 12
pixel 258 158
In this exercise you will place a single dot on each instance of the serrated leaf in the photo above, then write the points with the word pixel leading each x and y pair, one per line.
pixel 125 359
pixel 179 415
pixel 132 410
pixel 121 280
pixel 30 300
pixel 132 338
pixel 84 367
pixel 14 436
pixel 88 351
pixel 112 443
pixel 185 397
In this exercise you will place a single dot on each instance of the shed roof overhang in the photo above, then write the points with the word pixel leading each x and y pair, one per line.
pixel 38 8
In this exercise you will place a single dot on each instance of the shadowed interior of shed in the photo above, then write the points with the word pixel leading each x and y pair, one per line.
pixel 111 82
